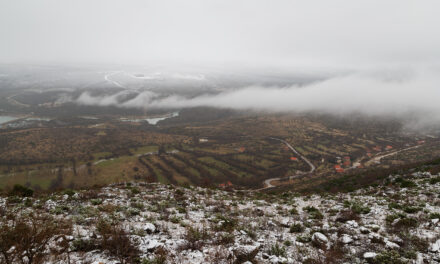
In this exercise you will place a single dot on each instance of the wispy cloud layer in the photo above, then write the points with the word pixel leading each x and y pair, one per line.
pixel 371 94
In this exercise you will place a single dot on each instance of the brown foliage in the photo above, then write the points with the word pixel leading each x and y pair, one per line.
pixel 116 240
pixel 26 238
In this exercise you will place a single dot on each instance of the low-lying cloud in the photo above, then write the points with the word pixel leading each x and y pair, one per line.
pixel 370 94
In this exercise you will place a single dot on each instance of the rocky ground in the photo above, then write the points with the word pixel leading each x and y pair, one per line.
pixel 397 222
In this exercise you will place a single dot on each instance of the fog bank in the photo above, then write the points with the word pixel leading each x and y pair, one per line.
pixel 370 94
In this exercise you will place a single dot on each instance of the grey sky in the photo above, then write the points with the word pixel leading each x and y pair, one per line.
pixel 243 32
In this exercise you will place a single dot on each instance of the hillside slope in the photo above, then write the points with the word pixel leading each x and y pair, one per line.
pixel 397 222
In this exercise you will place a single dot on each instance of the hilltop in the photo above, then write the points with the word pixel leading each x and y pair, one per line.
pixel 394 222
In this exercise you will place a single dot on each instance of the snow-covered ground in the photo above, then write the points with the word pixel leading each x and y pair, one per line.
pixel 169 224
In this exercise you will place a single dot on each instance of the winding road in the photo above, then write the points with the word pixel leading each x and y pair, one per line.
pixel 378 158
pixel 106 77
pixel 268 184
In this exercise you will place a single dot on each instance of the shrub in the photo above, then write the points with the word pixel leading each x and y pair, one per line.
pixel 69 192
pixel 59 209
pixel 314 213
pixel 225 223
pixel 117 242
pixel 293 211
pixel 27 202
pixel 296 228
pixel 434 215
pixel 394 205
pixel 388 257
pixel 135 191
pixel 83 245
pixel 359 209
pixel 434 180
pixel 25 239
pixel 137 205
pixel 304 239
pixel 390 218
pixel 347 215
pixel 195 238
pixel 226 239
pixel 181 210
pixel 175 219
pixel 156 260
pixel 414 243
pixel 277 250
pixel 96 201
pixel 21 191
pixel 410 209
pixel 407 184
pixel 407 222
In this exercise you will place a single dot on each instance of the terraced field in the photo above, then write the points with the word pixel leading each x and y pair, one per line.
pixel 235 151
pixel 236 165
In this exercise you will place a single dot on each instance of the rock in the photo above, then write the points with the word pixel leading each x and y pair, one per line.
pixel 434 221
pixel 375 238
pixel 270 223
pixel 373 227
pixel 419 259
pixel 277 260
pixel 285 223
pixel 320 239
pixel 253 224
pixel 435 247
pixel 346 239
pixel 149 228
pixel 153 244
pixel 274 259
pixel 245 253
pixel 364 230
pixel 352 224
pixel 369 255
pixel 391 245
pixel 49 205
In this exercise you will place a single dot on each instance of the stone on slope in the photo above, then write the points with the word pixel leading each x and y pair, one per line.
pixel 149 228
pixel 245 253
pixel 320 239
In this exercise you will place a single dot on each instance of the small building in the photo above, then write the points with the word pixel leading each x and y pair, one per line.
pixel 241 149
pixel 339 169
pixel 377 148
pixel 226 184
pixel 203 140
pixel 294 158
pixel 388 147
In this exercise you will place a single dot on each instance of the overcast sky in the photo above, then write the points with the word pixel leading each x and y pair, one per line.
pixel 339 33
